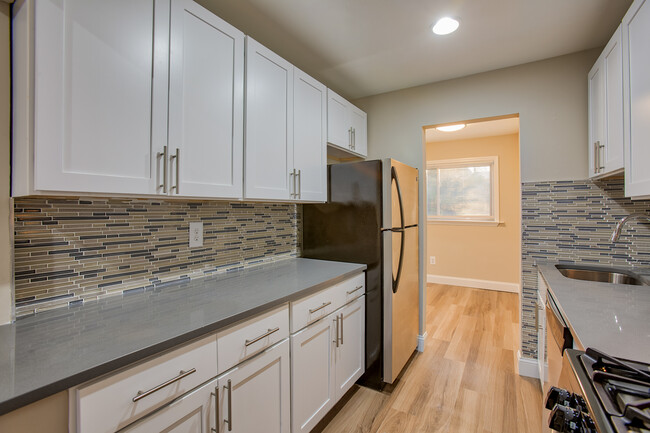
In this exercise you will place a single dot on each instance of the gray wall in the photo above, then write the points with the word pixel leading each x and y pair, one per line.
pixel 550 97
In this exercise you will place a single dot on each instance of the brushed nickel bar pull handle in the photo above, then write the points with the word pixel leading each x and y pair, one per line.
pixel 266 334
pixel 140 395
pixel 299 194
pixel 596 157
pixel 600 148
pixel 292 176
pixel 163 155
pixel 325 304
pixel 350 137
pixel 177 157
pixel 341 329
pixel 354 138
pixel 229 420
pixel 336 340
pixel 216 409
pixel 349 292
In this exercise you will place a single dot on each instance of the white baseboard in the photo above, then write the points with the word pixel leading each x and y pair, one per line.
pixel 421 339
pixel 527 366
pixel 477 284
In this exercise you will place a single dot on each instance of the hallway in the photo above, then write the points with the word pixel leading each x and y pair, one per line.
pixel 466 379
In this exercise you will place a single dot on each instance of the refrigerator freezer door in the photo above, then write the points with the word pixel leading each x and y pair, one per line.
pixel 401 308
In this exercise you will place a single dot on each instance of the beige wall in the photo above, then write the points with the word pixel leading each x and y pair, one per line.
pixel 6 261
pixel 48 415
pixel 477 251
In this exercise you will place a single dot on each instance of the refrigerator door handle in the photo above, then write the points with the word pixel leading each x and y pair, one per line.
pixel 393 175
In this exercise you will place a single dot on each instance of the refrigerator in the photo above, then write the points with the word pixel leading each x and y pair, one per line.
pixel 371 217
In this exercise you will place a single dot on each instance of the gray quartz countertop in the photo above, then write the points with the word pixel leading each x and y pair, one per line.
pixel 614 318
pixel 51 351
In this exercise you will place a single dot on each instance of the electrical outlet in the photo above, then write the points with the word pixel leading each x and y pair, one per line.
pixel 196 234
pixel 432 260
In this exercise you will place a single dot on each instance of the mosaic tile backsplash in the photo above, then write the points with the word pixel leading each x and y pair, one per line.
pixel 572 221
pixel 71 250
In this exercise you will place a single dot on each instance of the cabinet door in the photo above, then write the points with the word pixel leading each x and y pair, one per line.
pixel 339 130
pixel 613 66
pixel 100 86
pixel 596 86
pixel 359 122
pixel 254 396
pixel 310 137
pixel 312 385
pixel 206 96
pixel 192 413
pixel 636 86
pixel 350 353
pixel 269 115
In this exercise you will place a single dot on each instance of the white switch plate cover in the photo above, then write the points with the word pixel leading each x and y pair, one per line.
pixel 196 234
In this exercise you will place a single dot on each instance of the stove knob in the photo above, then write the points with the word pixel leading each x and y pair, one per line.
pixel 577 402
pixel 565 420
pixel 557 396
pixel 588 423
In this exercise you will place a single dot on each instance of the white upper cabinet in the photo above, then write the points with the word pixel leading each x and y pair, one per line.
pixel 359 122
pixel 206 97
pixel 339 129
pixel 346 127
pixel 97 111
pixel 309 138
pixel 636 94
pixel 269 133
pixel 606 111
pixel 145 100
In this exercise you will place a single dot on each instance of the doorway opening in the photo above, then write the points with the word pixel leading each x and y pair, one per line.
pixel 473 200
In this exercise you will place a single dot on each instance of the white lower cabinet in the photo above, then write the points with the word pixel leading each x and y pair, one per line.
pixel 350 354
pixel 253 397
pixel 312 387
pixel 273 384
pixel 327 359
pixel 193 413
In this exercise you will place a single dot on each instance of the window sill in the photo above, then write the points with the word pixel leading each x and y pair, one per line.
pixel 466 223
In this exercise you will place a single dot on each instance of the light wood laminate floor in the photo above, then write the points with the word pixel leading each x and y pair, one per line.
pixel 465 381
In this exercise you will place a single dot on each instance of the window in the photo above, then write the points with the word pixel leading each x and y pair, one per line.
pixel 463 190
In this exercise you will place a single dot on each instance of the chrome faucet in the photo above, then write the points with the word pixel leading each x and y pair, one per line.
pixel 617 231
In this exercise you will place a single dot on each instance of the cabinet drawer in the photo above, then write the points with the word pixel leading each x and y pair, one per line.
pixel 107 404
pixel 241 341
pixel 350 289
pixel 313 307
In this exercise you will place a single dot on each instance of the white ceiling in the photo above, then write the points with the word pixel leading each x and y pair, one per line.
pixel 366 47
pixel 488 128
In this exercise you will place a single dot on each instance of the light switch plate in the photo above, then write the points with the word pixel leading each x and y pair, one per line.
pixel 196 234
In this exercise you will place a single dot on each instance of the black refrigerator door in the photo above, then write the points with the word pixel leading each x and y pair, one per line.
pixel 348 228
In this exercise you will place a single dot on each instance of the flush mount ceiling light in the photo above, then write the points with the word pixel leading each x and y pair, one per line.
pixel 451 128
pixel 445 25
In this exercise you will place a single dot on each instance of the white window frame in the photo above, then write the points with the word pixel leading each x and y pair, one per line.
pixel 492 161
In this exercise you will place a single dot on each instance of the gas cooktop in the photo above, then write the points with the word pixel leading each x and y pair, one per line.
pixel 614 396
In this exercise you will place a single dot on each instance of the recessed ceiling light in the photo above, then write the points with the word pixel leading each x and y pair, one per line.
pixel 445 25
pixel 451 128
